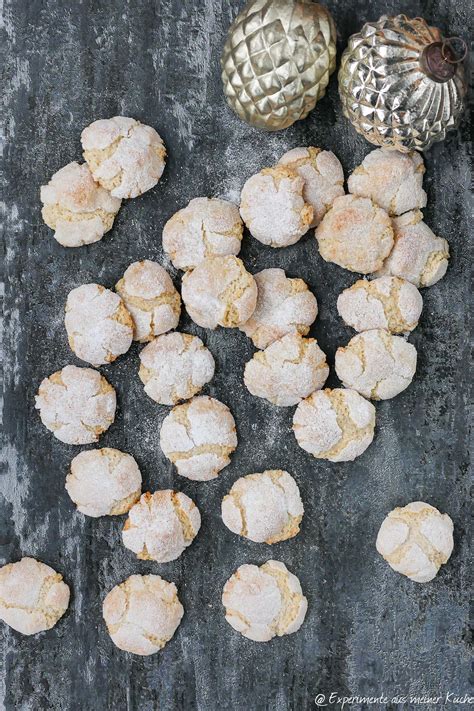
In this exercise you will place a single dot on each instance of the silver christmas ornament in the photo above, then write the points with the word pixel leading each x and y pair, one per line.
pixel 277 60
pixel 401 83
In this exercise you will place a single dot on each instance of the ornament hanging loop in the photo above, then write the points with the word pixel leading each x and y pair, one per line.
pixel 448 51
pixel 439 60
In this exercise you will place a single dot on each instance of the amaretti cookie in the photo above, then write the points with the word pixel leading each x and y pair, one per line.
pixel 76 404
pixel 264 507
pixel 142 614
pixel 284 306
pixel 387 302
pixel 198 437
pixel 416 540
pixel 334 424
pixel 355 234
pixel 264 602
pixel 125 156
pixel 287 371
pixel 33 596
pixel 78 209
pixel 175 367
pixel 219 292
pixel 148 293
pixel 273 207
pixel 393 180
pixel 161 525
pixel 206 227
pixel 322 174
pixel 104 482
pixel 376 364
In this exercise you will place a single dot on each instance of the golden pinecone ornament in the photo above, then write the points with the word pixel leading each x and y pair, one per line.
pixel 277 61
pixel 401 84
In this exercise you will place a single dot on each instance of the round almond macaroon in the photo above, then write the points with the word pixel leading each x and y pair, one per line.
pixel 387 302
pixel 322 174
pixel 161 525
pixel 98 325
pixel 264 602
pixel 376 364
pixel 418 255
pixel 125 156
pixel 150 297
pixel 287 371
pixel 284 306
pixel 198 437
pixel 104 482
pixel 393 180
pixel 416 540
pixel 337 425
pixel 355 234
pixel 142 614
pixel 264 507
pixel 175 367
pixel 33 597
pixel 78 209
pixel 219 292
pixel 76 404
pixel 206 227
pixel 273 207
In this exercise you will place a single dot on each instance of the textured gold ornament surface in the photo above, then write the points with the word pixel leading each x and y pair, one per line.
pixel 386 88
pixel 277 60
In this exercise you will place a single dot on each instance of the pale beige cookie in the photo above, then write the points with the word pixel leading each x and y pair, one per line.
pixel 33 597
pixel 376 364
pixel 334 424
pixel 104 482
pixel 76 404
pixel 219 292
pixel 416 540
pixel 393 180
pixel 78 209
pixel 287 371
pixel 142 614
pixel 161 525
pixel 199 437
pixel 284 306
pixel 125 156
pixel 355 234
pixel 387 302
pixel 322 174
pixel 206 227
pixel 264 602
pixel 264 507
pixel 98 325
pixel 273 207
pixel 418 255
pixel 175 367
pixel 148 293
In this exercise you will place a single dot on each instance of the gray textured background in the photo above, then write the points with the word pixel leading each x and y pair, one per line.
pixel 368 630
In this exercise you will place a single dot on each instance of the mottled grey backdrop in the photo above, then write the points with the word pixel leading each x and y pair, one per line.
pixel 368 630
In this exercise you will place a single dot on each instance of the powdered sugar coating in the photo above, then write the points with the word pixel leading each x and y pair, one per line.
pixel 161 525
pixel 175 367
pixel 284 306
pixel 273 208
pixel 33 597
pixel 198 437
pixel 337 425
pixel 206 227
pixel 124 156
pixel 76 404
pixel 98 325
pixel 264 602
pixel 264 507
pixel 78 209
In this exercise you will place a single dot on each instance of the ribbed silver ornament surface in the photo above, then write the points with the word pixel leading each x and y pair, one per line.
pixel 386 95
pixel 277 61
